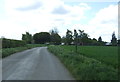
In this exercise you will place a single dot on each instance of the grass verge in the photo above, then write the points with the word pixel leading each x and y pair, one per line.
pixel 8 51
pixel 84 68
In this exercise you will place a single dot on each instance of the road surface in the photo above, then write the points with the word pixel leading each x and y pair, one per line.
pixel 34 64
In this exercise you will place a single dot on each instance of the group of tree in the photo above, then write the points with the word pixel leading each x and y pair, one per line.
pixel 51 37
pixel 41 38
pixel 80 38
pixel 72 38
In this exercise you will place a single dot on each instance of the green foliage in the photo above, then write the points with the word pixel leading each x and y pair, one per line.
pixel 82 39
pixel 100 39
pixel 41 38
pixel 69 37
pixel 83 68
pixel 119 42
pixel 94 42
pixel 55 38
pixel 100 42
pixel 114 39
pixel 9 43
pixel 8 51
pixel 27 38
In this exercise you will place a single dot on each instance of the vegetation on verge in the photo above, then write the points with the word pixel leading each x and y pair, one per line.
pixel 84 68
pixel 8 51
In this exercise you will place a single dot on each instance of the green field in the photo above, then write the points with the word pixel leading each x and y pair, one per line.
pixel 105 54
pixel 90 63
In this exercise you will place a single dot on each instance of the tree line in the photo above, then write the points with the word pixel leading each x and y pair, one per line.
pixel 71 38
pixel 82 38
pixel 51 37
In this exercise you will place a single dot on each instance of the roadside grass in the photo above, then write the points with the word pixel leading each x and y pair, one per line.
pixel 83 67
pixel 8 51
pixel 105 54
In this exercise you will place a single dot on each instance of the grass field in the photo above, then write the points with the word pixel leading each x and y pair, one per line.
pixel 90 63
pixel 105 54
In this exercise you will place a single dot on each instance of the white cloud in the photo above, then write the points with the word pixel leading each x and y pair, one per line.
pixel 104 23
pixel 60 10
pixel 36 16
pixel 106 15
pixel 12 4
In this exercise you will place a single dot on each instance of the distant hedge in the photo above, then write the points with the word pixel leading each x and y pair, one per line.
pixel 10 43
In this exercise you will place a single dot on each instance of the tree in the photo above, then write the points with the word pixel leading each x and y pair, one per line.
pixel 41 38
pixel 114 39
pixel 94 39
pixel 95 42
pixel 54 31
pixel 119 42
pixel 100 42
pixel 27 38
pixel 55 37
pixel 69 37
pixel 75 39
pixel 100 39
pixel 83 37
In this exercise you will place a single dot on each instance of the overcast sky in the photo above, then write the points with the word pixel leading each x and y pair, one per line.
pixel 33 16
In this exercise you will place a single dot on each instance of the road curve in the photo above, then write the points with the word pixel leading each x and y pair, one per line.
pixel 34 64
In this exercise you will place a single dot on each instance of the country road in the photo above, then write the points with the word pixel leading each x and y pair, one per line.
pixel 34 64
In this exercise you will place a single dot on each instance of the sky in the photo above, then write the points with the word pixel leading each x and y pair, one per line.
pixel 34 16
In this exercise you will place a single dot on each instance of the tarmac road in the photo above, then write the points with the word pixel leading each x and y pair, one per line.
pixel 34 64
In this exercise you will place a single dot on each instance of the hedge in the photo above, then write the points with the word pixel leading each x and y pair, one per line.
pixel 10 43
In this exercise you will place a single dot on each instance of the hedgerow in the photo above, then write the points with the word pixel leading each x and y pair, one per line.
pixel 10 43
